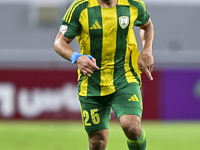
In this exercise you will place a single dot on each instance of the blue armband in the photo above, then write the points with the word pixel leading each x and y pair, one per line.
pixel 76 55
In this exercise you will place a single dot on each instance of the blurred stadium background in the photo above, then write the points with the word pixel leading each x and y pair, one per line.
pixel 39 108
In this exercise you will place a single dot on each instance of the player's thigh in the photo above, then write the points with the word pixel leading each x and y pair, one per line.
pixel 95 113
pixel 127 100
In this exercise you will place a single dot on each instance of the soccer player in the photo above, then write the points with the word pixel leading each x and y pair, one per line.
pixel 109 64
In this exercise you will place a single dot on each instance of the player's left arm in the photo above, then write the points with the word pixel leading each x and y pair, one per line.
pixel 146 60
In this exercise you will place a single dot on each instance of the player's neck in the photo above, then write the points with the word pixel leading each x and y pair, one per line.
pixel 107 3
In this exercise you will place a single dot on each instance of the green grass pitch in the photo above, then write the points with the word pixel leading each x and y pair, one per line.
pixel 70 135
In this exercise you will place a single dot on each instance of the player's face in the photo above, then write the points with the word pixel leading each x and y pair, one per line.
pixel 106 0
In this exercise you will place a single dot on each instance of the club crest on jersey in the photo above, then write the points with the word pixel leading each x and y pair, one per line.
pixel 123 21
pixel 63 29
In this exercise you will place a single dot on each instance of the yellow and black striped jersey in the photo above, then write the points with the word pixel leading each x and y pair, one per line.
pixel 106 34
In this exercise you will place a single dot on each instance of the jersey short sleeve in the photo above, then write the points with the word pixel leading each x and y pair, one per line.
pixel 143 15
pixel 71 21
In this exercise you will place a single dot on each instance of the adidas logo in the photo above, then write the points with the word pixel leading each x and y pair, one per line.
pixel 96 26
pixel 134 98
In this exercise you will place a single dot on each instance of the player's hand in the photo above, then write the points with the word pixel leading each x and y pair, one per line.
pixel 146 63
pixel 87 65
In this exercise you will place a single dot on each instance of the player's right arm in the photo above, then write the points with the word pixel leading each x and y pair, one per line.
pixel 61 46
